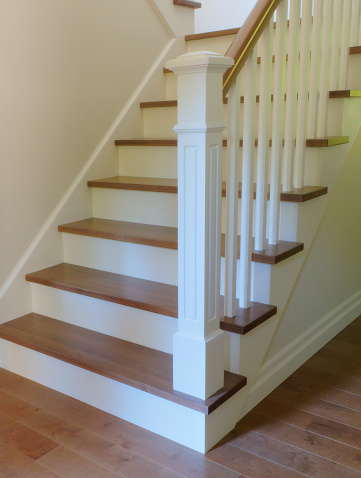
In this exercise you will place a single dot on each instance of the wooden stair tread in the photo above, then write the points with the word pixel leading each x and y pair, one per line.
pixel 146 234
pixel 310 143
pixel 187 3
pixel 354 50
pixel 171 186
pixel 174 103
pixel 167 237
pixel 213 34
pixel 138 293
pixel 345 94
pixel 132 364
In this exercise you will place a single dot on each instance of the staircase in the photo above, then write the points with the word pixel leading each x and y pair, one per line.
pixel 102 325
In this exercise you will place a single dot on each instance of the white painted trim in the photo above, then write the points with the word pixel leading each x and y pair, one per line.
pixel 287 360
pixel 82 174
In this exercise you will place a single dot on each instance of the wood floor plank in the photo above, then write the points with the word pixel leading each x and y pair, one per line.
pixel 328 394
pixel 318 407
pixel 171 455
pixel 94 447
pixel 287 455
pixel 23 439
pixel 310 442
pixel 51 426
pixel 313 423
pixel 135 365
pixel 69 464
pixel 249 464
pixel 341 382
pixel 14 464
pixel 14 407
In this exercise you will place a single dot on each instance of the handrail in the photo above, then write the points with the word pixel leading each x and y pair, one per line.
pixel 247 38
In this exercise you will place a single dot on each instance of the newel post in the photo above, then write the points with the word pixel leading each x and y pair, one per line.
pixel 198 346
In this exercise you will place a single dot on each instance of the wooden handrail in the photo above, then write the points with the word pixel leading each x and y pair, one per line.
pixel 247 38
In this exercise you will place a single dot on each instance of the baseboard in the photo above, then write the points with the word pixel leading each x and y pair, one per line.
pixel 291 357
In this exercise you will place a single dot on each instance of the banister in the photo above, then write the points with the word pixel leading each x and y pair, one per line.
pixel 247 38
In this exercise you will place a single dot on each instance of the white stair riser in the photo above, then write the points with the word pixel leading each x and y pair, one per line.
pixel 152 161
pixel 157 264
pixel 159 209
pixel 127 323
pixel 148 411
pixel 135 206
pixel 159 122
pixel 216 44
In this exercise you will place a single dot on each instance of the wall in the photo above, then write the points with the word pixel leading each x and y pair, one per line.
pixel 64 80
pixel 331 276
pixel 216 15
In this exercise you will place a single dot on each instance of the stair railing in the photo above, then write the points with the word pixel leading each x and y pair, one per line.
pixel 308 59
pixel 304 54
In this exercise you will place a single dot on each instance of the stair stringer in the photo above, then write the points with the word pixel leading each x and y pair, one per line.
pixel 277 367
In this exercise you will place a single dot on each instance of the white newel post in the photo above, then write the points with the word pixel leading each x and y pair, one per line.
pixel 198 346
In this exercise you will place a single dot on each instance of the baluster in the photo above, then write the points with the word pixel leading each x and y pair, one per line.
pixel 355 22
pixel 263 137
pixel 324 70
pixel 277 122
pixel 345 44
pixel 291 94
pixel 302 94
pixel 335 48
pixel 234 113
pixel 247 181
pixel 315 57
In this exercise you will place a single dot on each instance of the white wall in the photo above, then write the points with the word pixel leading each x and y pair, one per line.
pixel 68 67
pixel 221 15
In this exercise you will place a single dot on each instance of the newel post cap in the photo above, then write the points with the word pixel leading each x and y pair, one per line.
pixel 200 60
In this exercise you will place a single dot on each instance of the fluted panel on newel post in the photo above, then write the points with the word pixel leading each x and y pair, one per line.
pixel 198 346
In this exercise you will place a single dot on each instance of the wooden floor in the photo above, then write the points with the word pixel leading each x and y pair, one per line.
pixel 309 426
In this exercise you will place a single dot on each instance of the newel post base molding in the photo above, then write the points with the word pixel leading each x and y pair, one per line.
pixel 198 346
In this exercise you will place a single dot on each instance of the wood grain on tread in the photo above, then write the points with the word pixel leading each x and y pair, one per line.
pixel 166 237
pixel 310 143
pixel 146 234
pixel 171 186
pixel 132 364
pixel 187 3
pixel 139 293
pixel 354 50
pixel 159 185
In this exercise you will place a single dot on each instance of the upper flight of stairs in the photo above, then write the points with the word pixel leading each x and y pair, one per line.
pixel 111 307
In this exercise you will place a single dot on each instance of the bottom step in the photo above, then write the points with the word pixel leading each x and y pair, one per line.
pixel 134 365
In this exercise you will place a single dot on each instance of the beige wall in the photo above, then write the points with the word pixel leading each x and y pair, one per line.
pixel 68 67
pixel 331 275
